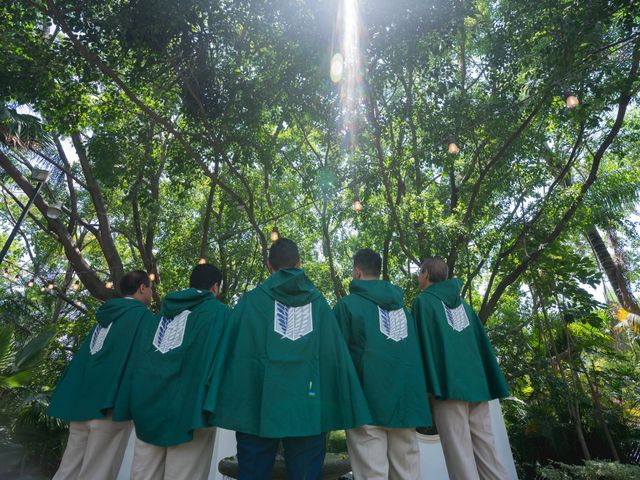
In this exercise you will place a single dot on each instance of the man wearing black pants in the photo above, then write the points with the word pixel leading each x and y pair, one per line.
pixel 288 375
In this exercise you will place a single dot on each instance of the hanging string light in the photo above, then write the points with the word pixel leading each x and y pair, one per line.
pixel 202 261
pixel 50 286
pixel 570 99
pixel 109 284
pixel 152 277
pixel 275 234
pixel 357 204
pixel 76 286
pixel 42 289
pixel 5 273
pixel 31 283
pixel 452 148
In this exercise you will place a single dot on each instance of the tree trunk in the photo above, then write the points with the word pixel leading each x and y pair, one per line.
pixel 614 272
pixel 595 395
pixel 105 237
pixel 572 403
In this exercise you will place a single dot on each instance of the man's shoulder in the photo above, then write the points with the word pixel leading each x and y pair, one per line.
pixel 346 300
pixel 425 297
pixel 212 306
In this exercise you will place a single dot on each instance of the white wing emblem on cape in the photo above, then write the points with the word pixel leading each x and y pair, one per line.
pixel 98 337
pixel 170 332
pixel 456 317
pixel 393 323
pixel 292 322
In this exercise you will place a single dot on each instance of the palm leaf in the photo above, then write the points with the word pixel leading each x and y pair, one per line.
pixel 7 348
pixel 30 354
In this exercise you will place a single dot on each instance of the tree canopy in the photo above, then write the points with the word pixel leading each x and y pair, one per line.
pixel 176 130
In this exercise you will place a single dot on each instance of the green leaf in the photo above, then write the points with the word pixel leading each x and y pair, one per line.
pixel 16 380
pixel 7 348
pixel 30 354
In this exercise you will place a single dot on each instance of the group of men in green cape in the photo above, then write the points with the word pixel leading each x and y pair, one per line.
pixel 282 367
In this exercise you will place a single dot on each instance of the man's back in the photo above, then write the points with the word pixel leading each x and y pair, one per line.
pixel 288 370
pixel 172 360
pixel 90 385
pixel 381 336
pixel 464 363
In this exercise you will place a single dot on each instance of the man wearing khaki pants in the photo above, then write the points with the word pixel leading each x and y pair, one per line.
pixel 168 379
pixel 89 388
pixel 381 337
pixel 463 377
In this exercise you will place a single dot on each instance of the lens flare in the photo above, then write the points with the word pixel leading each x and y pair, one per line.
pixel 337 67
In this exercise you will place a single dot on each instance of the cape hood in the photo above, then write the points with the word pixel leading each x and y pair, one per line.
pixel 380 292
pixel 177 302
pixel 447 291
pixel 111 310
pixel 291 287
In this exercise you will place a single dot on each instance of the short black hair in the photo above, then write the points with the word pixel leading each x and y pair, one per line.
pixel 205 276
pixel 368 261
pixel 283 254
pixel 130 282
pixel 437 268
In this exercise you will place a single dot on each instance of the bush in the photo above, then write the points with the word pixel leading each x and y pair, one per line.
pixel 591 470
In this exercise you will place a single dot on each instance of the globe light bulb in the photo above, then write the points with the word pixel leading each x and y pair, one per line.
pixel 202 261
pixel 275 234
pixel 109 284
pixel 572 101
pixel 31 283
pixel 453 148
pixel 152 277
pixel 357 205
pixel 50 286
pixel 76 286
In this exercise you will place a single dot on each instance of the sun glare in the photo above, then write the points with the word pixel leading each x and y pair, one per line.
pixel 346 70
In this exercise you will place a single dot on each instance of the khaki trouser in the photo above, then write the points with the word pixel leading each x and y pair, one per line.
pixel 467 440
pixel 94 450
pixel 379 453
pixel 187 461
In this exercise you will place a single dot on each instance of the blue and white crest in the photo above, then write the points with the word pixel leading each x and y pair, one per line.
pixel 98 337
pixel 393 323
pixel 170 332
pixel 456 317
pixel 292 322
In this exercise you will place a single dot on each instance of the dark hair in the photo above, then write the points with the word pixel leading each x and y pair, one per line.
pixel 205 276
pixel 283 254
pixel 437 268
pixel 130 282
pixel 368 261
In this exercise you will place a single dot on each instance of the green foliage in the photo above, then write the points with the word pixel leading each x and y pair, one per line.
pixel 17 364
pixel 591 470
pixel 202 125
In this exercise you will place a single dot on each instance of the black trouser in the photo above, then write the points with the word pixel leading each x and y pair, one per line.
pixel 303 456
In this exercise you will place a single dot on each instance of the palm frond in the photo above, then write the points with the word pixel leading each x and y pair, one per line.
pixel 21 130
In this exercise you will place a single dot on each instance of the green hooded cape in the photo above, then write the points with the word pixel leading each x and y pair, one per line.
pixel 465 363
pixel 288 371
pixel 92 381
pixel 381 336
pixel 170 369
